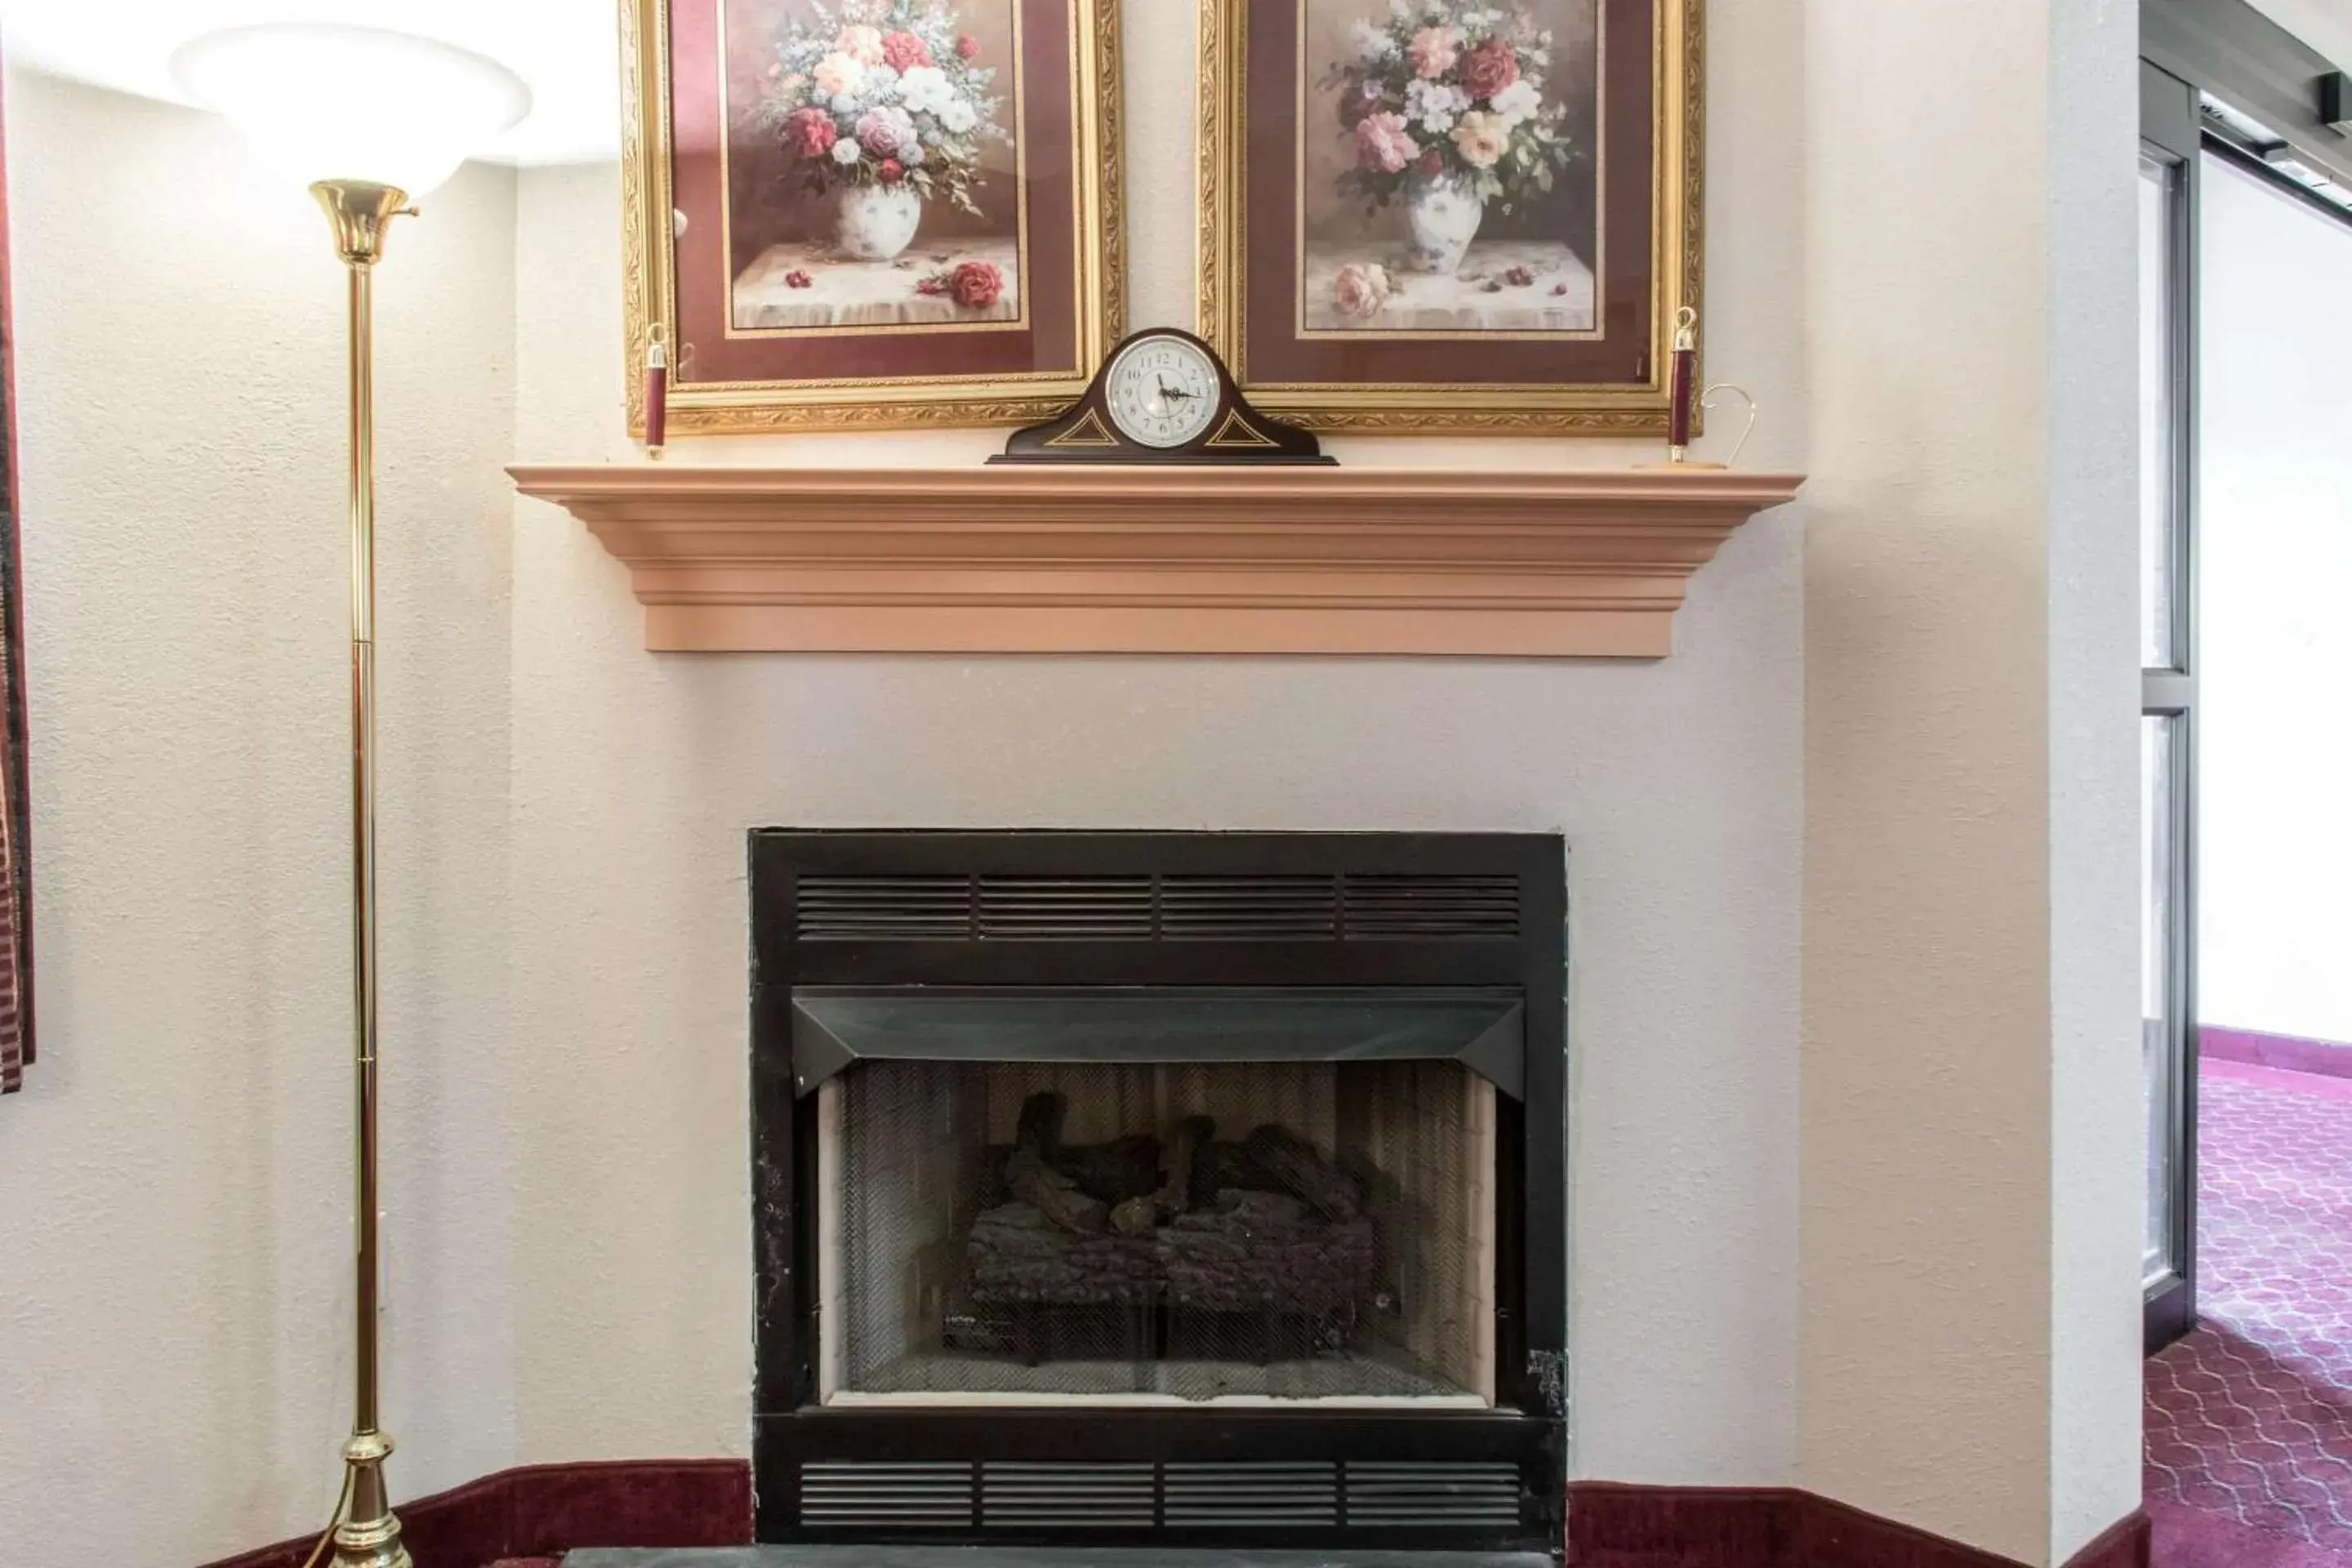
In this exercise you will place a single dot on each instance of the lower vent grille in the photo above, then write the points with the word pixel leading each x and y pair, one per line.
pixel 1400 1495
pixel 1026 1495
pixel 1021 1495
pixel 911 1494
pixel 1260 1496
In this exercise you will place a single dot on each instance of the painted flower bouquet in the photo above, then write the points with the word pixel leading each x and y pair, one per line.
pixel 1445 105
pixel 884 101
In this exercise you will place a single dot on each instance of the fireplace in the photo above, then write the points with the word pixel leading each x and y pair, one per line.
pixel 1159 1188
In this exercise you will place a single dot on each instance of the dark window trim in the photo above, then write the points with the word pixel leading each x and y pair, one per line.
pixel 2230 49
pixel 2170 133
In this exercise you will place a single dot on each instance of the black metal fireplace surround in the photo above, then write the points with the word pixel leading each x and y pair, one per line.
pixel 1166 1189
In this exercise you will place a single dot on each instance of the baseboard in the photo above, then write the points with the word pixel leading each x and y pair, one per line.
pixel 544 1511
pixel 1611 1525
pixel 2291 1053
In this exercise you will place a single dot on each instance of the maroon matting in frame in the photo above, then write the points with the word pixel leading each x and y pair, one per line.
pixel 1275 355
pixel 1050 284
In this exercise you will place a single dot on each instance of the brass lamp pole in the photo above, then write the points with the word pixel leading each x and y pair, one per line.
pixel 317 97
pixel 368 1536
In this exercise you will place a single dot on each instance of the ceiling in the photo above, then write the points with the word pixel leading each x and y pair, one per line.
pixel 568 50
pixel 2325 24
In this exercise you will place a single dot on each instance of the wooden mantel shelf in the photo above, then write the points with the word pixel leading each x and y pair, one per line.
pixel 1160 560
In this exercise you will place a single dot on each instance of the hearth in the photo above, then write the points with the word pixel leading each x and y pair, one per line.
pixel 1159 1188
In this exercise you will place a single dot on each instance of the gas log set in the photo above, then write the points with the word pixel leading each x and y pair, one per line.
pixel 1081 1245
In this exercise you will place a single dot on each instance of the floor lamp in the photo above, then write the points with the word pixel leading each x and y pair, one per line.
pixel 369 119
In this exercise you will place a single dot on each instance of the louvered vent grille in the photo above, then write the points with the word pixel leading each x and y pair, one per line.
pixel 918 1494
pixel 1065 908
pixel 1364 906
pixel 1244 1495
pixel 1424 907
pixel 884 908
pixel 1405 1494
pixel 1017 1494
pixel 1249 908
pixel 1239 1495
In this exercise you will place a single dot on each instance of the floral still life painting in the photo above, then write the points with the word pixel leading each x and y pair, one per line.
pixel 873 213
pixel 1429 215
pixel 1448 120
pixel 892 127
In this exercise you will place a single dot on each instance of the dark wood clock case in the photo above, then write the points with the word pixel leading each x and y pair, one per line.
pixel 1236 433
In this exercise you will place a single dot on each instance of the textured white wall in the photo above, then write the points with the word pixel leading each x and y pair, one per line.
pixel 1968 1359
pixel 174 1274
pixel 565 819
pixel 1676 784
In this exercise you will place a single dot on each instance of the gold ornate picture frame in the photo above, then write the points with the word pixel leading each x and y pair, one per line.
pixel 870 214
pixel 1468 216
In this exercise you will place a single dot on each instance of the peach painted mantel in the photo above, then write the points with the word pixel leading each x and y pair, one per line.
pixel 1159 559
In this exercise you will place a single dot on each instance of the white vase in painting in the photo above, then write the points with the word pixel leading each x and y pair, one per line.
pixel 1445 212
pixel 878 222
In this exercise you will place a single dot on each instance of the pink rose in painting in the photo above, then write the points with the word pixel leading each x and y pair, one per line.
pixel 887 132
pixel 1361 288
pixel 975 285
pixel 862 43
pixel 809 132
pixel 902 52
pixel 1489 68
pixel 968 47
pixel 1432 52
pixel 1381 143
pixel 796 279
pixel 1432 163
pixel 890 172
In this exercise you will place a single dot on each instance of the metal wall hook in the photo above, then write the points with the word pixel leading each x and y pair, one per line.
pixel 1707 400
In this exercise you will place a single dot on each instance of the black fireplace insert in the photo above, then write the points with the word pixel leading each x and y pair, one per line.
pixel 1159 1188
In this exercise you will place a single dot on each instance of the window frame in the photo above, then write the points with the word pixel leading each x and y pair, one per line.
pixel 2171 136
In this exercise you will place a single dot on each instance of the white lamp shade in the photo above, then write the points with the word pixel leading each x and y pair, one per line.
pixel 328 102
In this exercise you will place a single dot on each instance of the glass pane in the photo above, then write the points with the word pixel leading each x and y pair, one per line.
pixel 2157 411
pixel 2274 568
pixel 2158 855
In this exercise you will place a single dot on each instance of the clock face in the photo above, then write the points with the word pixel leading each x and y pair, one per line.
pixel 1163 391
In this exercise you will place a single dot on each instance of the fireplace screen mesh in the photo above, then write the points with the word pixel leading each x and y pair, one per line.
pixel 1038 1233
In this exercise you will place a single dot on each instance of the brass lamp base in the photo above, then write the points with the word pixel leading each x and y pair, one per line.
pixel 369 1538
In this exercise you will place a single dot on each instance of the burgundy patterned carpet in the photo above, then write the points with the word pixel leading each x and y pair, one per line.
pixel 2250 1416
